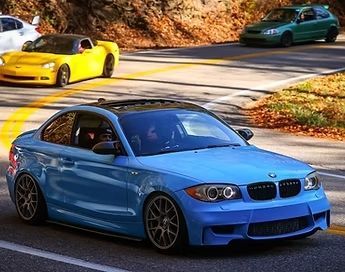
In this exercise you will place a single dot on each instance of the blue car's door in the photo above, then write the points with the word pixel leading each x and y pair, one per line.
pixel 94 185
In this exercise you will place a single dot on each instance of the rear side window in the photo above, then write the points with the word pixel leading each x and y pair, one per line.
pixel 8 24
pixel 321 13
pixel 19 24
pixel 59 131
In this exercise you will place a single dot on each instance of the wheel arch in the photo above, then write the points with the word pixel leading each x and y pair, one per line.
pixel 160 192
pixel 288 31
pixel 25 172
pixel 42 214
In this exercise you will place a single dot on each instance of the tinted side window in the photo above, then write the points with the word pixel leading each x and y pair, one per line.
pixel 91 129
pixel 321 13
pixel 60 130
pixel 86 44
pixel 308 14
pixel 8 24
pixel 19 24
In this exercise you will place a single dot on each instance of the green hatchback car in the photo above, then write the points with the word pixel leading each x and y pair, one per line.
pixel 288 25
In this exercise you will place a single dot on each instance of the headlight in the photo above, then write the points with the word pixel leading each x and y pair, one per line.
pixel 311 182
pixel 271 32
pixel 214 192
pixel 2 61
pixel 48 65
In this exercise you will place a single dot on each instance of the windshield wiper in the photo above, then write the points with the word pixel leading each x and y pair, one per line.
pixel 222 145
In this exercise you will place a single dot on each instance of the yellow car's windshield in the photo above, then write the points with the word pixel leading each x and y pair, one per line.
pixel 54 45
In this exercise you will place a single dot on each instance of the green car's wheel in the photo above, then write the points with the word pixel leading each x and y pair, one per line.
pixel 286 39
pixel 332 35
pixel 30 203
pixel 62 76
pixel 108 68
pixel 164 224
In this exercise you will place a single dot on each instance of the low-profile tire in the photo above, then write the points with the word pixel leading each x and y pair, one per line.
pixel 63 75
pixel 29 200
pixel 332 35
pixel 286 39
pixel 164 224
pixel 108 67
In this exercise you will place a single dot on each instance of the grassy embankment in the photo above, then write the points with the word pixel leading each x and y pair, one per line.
pixel 315 107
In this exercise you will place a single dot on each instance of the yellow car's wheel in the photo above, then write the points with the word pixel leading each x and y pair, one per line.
pixel 108 67
pixel 62 76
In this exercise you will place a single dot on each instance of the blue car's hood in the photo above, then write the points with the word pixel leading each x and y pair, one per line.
pixel 239 165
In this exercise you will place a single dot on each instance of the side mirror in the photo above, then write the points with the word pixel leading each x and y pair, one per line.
pixel 36 20
pixel 106 148
pixel 298 21
pixel 26 45
pixel 246 133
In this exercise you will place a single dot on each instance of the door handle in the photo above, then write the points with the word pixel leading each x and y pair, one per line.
pixel 67 161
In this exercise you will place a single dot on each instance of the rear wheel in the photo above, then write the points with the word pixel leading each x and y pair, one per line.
pixel 108 67
pixel 164 224
pixel 62 76
pixel 332 35
pixel 286 39
pixel 29 200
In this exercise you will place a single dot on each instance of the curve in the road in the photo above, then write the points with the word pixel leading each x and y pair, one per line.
pixel 13 126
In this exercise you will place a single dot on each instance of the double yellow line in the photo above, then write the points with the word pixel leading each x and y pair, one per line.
pixel 13 126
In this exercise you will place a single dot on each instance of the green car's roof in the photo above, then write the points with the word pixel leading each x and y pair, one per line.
pixel 303 6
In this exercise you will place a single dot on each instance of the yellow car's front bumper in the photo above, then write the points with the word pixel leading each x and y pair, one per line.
pixel 28 75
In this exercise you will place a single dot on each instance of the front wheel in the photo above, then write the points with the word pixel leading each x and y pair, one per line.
pixel 29 200
pixel 286 39
pixel 331 35
pixel 62 77
pixel 164 224
pixel 108 67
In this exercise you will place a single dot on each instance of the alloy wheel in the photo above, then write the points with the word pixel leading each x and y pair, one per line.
pixel 108 66
pixel 162 222
pixel 26 197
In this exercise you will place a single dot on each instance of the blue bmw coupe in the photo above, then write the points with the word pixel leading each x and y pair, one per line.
pixel 163 170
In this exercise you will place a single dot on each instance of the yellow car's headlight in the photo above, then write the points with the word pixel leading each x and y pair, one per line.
pixel 2 61
pixel 48 65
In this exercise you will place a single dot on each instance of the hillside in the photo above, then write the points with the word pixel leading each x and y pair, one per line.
pixel 151 23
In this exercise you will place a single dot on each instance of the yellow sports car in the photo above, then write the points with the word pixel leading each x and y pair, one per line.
pixel 58 59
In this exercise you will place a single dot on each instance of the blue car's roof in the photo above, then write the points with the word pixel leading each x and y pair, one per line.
pixel 138 105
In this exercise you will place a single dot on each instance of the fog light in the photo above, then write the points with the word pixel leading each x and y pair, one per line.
pixel 44 78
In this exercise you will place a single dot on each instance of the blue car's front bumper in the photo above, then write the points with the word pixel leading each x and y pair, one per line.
pixel 220 223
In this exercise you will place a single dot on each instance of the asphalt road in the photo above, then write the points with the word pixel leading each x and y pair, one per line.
pixel 223 78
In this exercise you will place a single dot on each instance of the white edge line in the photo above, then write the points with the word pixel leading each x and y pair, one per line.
pixel 57 257
pixel 331 175
pixel 270 86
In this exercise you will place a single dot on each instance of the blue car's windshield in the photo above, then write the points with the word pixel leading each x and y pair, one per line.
pixel 52 44
pixel 162 131
pixel 281 15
